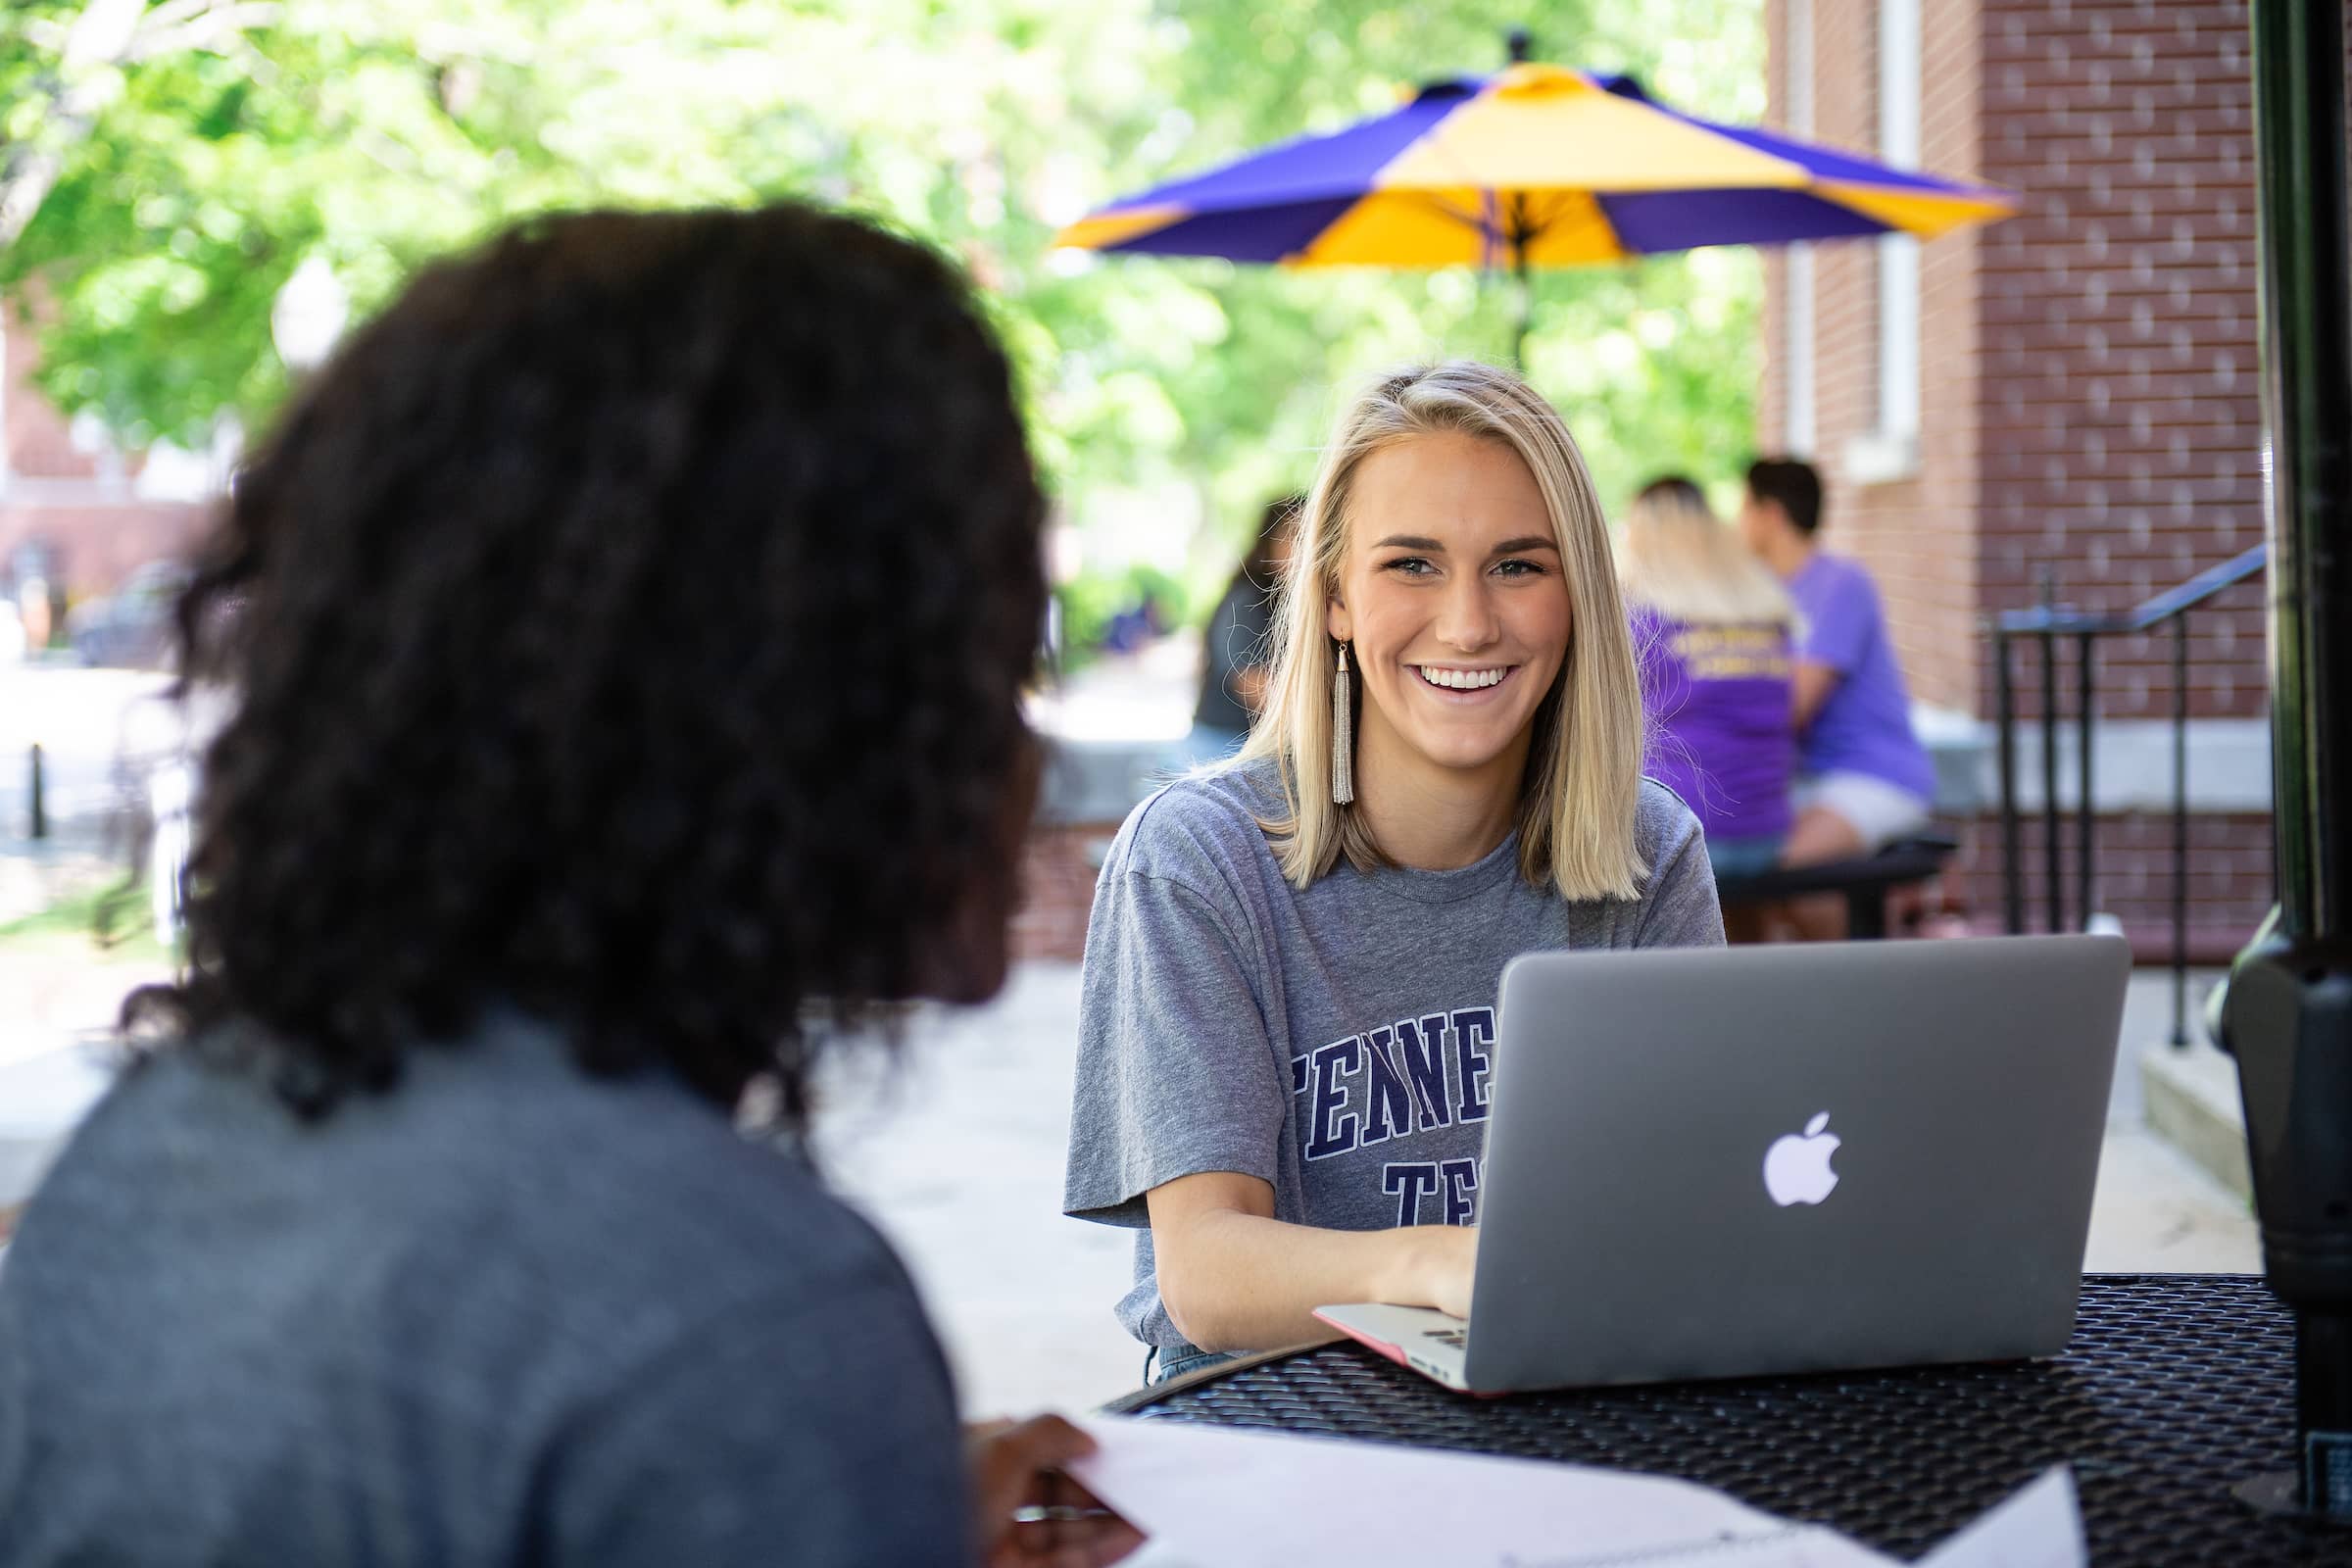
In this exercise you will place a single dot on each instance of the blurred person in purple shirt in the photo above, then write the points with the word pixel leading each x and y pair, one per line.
pixel 1712 630
pixel 1863 780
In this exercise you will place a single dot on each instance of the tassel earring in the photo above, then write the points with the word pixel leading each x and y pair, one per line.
pixel 1343 736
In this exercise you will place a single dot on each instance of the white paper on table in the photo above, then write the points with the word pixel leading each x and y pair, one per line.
pixel 1227 1497
pixel 2041 1527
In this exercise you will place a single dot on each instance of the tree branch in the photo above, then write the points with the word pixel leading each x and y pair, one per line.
pixel 202 31
pixel 100 36
pixel 106 35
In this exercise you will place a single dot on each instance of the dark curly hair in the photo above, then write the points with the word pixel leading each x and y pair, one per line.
pixel 628 624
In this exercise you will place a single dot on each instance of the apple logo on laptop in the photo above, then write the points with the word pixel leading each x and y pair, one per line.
pixel 1796 1167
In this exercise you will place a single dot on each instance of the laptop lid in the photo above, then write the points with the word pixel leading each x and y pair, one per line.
pixel 1729 1162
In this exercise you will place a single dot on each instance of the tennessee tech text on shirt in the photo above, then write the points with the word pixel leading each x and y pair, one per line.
pixel 1391 1082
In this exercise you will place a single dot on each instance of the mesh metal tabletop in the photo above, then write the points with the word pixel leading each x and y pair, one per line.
pixel 2175 1388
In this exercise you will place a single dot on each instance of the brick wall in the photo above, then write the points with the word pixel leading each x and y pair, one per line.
pixel 2123 431
pixel 37 441
pixel 1925 554
pixel 2089 379
pixel 80 502
pixel 1916 535
pixel 2088 391
pixel 1057 890
pixel 2121 407
pixel 100 545
pixel 2231 880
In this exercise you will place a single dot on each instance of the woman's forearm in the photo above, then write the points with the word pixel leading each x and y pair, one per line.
pixel 1235 1281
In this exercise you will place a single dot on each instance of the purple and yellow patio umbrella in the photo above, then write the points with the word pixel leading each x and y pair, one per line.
pixel 1536 167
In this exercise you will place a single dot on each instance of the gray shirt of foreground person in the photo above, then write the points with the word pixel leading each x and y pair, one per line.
pixel 506 1313
pixel 1334 1042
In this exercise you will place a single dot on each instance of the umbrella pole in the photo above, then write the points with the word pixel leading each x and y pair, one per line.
pixel 1517 233
pixel 1523 309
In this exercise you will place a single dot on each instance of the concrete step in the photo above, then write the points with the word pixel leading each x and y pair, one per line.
pixel 2191 1098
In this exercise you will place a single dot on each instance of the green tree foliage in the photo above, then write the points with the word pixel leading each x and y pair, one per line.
pixel 196 151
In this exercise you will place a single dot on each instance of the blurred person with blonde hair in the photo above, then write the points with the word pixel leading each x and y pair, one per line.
pixel 1292 963
pixel 1712 628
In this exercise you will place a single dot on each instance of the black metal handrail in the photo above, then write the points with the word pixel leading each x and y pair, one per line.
pixel 2048 624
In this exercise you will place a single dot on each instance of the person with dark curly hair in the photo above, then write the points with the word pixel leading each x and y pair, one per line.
pixel 625 635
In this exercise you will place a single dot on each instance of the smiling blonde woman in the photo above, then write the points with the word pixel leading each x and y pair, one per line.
pixel 1293 961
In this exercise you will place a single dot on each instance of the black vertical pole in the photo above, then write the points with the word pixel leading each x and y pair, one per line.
pixel 2085 817
pixel 39 812
pixel 2013 875
pixel 2288 1014
pixel 2308 417
pixel 2053 852
pixel 2181 830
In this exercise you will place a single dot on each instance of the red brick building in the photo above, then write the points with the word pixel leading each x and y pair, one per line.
pixel 99 512
pixel 2071 392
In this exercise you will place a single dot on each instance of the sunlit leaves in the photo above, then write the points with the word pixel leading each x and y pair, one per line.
pixel 378 135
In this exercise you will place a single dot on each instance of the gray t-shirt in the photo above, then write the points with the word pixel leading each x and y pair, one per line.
pixel 1334 1042
pixel 506 1313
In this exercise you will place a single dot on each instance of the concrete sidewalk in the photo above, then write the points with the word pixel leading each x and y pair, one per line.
pixel 956 1151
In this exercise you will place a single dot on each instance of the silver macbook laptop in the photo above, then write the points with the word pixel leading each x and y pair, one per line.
pixel 1729 1162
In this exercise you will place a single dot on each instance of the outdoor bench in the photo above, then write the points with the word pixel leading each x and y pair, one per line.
pixel 1864 880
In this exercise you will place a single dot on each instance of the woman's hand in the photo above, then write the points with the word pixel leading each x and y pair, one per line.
pixel 1235 1277
pixel 1448 1265
pixel 1031 1514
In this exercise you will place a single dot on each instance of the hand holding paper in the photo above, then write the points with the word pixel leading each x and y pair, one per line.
pixel 1029 1511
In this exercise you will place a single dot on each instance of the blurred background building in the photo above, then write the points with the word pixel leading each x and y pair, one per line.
pixel 2070 393
pixel 72 497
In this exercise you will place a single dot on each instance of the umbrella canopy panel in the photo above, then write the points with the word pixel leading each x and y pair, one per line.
pixel 1536 167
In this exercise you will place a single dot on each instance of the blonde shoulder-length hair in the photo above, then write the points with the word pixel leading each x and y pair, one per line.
pixel 1584 773
pixel 1681 561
